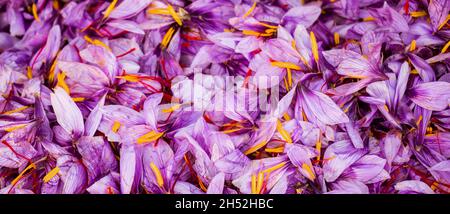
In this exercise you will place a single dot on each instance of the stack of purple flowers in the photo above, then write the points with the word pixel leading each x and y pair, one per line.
pixel 134 96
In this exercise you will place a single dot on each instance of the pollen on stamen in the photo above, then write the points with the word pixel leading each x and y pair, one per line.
pixel 158 11
pixel 368 19
pixel 273 168
pixel 289 74
pixel 78 99
pixel 115 127
pixel 62 83
pixel 259 182
pixel 158 175
pixel 174 15
pixel 286 117
pixel 96 42
pixel 255 148
pixel 51 174
pixel 314 47
pixel 275 150
pixel 15 110
pixel 286 136
pixel 253 184
pixel 29 72
pixel 149 137
pixel 172 108
pixel 13 128
pixel 309 171
pixel 35 13
pixel 318 148
pixel 445 48
pixel 287 65
pixel 417 14
pixel 110 9
pixel 55 4
pixel 336 38
pixel 412 46
pixel 250 10
pixel 167 37
pixel 29 167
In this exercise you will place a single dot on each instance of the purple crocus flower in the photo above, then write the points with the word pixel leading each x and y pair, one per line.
pixel 224 97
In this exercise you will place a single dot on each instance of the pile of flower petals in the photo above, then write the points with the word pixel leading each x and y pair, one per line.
pixel 90 102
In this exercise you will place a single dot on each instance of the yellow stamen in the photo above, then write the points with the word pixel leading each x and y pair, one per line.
pixel 289 74
pixel 233 124
pixel 158 11
pixel 250 10
pixel 414 71
pixel 286 117
pixel 304 116
pixel 55 4
pixel 15 110
pixel 270 30
pixel 96 42
pixel 51 174
pixel 287 65
pixel 444 23
pixel 202 186
pixel 419 120
pixel 29 72
pixel 228 30
pixel 336 38
pixel 318 148
pixel 434 185
pixel 129 78
pixel 231 130
pixel 273 168
pixel 158 176
pixel 255 33
pixel 286 84
pixel 254 184
pixel 286 136
pixel 308 169
pixel 167 37
pixel 110 9
pixel 62 83
pixel 444 49
pixel 78 99
pixel 51 74
pixel 115 127
pixel 386 108
pixel 268 26
pixel 34 11
pixel 255 148
pixel 259 183
pixel 417 14
pixel 275 150
pixel 32 165
pixel 149 137
pixel 368 19
pixel 315 49
pixel 172 108
pixel 412 46
pixel 13 128
pixel 174 15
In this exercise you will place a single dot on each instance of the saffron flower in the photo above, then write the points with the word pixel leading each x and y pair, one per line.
pixel 224 97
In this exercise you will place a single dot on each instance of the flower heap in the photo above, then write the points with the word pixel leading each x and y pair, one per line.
pixel 90 102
